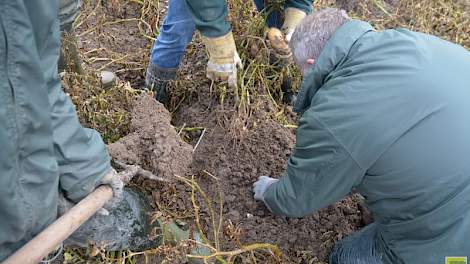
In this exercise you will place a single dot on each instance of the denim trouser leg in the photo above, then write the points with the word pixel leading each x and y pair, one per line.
pixel 358 248
pixel 178 28
pixel 273 16
pixel 175 34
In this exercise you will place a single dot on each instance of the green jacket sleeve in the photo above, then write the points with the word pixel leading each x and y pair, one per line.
pixel 210 17
pixel 80 153
pixel 319 172
pixel 304 5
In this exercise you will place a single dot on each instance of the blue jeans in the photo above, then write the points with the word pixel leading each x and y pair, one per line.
pixel 178 29
pixel 358 248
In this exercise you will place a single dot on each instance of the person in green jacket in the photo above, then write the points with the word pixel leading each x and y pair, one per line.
pixel 44 147
pixel 47 157
pixel 385 113
pixel 209 17
pixel 48 160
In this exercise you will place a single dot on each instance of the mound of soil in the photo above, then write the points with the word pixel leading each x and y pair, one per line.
pixel 153 143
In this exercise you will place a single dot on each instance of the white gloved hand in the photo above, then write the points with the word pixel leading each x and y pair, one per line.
pixel 261 185
pixel 113 179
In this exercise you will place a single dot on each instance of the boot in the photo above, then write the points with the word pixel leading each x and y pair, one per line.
pixel 157 80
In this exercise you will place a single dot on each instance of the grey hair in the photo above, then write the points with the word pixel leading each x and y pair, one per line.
pixel 313 32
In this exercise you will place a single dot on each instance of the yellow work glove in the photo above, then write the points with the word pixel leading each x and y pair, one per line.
pixel 292 17
pixel 223 59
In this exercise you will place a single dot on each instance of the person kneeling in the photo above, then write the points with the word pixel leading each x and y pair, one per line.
pixel 384 113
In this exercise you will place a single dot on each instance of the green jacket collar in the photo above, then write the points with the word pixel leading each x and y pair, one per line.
pixel 334 53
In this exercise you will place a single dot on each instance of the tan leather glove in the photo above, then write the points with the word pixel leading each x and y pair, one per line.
pixel 292 18
pixel 223 59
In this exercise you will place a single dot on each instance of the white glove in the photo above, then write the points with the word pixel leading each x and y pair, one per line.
pixel 113 179
pixel 261 185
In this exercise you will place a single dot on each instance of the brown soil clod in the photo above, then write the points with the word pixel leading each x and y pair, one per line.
pixel 154 143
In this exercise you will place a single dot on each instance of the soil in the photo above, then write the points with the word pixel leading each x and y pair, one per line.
pixel 264 150
pixel 233 152
pixel 236 163
pixel 153 143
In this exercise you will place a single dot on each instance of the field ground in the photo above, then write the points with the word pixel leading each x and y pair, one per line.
pixel 242 133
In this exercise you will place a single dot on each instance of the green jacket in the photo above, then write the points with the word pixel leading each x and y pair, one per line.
pixel 44 147
pixel 210 16
pixel 388 114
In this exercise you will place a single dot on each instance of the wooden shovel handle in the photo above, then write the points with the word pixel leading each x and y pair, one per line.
pixel 51 237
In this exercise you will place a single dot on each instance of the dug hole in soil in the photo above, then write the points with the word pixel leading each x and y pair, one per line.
pixel 236 163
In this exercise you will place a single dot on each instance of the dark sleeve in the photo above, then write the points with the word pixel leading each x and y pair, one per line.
pixel 319 172
pixel 210 17
pixel 304 5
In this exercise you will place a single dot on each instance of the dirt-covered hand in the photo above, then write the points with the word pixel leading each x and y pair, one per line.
pixel 223 59
pixel 261 185
pixel 279 48
pixel 278 40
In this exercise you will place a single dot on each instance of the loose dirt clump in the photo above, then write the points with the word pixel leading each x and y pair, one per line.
pixel 153 143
